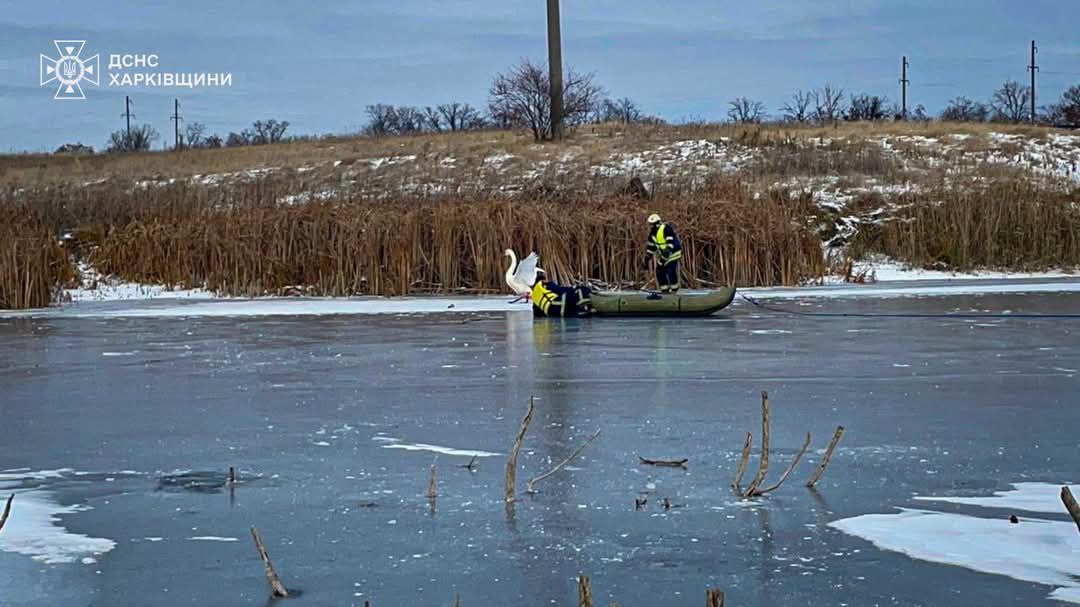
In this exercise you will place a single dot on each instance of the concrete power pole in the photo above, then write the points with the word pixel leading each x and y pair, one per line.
pixel 127 114
pixel 903 87
pixel 555 68
pixel 176 124
pixel 1033 68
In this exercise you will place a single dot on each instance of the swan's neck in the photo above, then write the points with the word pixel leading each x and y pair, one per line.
pixel 513 262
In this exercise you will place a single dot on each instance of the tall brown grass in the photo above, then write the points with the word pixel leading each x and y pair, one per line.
pixel 456 245
pixel 32 264
pixel 1013 224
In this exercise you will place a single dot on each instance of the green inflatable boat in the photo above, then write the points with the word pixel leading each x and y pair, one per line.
pixel 642 303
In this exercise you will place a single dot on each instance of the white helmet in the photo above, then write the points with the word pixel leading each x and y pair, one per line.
pixel 654 218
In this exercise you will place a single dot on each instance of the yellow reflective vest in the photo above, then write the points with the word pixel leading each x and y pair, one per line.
pixel 544 298
pixel 664 245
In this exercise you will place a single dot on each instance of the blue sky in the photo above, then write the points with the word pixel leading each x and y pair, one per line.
pixel 317 64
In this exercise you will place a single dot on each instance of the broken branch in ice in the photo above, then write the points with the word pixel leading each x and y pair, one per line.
pixel 231 478
pixel 825 460
pixel 743 461
pixel 763 465
pixel 531 488
pixel 714 597
pixel 277 589
pixel 585 598
pixel 755 488
pixel 1066 498
pixel 511 464
pixel 787 472
pixel 7 511
pixel 669 463
pixel 433 485
pixel 471 466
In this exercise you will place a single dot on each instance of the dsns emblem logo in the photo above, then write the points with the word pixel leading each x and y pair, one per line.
pixel 69 69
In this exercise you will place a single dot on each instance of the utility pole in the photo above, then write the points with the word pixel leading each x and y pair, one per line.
pixel 555 68
pixel 127 114
pixel 1033 68
pixel 903 87
pixel 176 123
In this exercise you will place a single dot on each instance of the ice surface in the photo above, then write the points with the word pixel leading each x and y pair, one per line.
pixel 1045 552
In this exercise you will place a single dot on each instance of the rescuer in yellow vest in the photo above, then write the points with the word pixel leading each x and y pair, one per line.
pixel 665 250
pixel 551 299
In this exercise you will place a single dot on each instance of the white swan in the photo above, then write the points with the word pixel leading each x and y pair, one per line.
pixel 520 277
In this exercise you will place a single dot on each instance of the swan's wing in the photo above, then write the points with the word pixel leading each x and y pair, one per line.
pixel 525 273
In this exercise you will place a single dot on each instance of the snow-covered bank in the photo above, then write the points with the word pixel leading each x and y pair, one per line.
pixel 325 306
pixel 98 287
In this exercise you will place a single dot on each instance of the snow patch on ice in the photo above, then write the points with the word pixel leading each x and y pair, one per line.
pixel 34 526
pixel 1034 550
pixel 396 443
pixel 213 538
pixel 1028 497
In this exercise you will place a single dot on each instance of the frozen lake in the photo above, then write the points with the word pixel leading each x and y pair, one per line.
pixel 116 429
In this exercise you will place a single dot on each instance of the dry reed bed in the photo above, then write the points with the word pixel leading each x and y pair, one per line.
pixel 1016 225
pixel 32 264
pixel 455 245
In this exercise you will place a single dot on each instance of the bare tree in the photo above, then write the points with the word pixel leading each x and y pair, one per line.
pixel 433 120
pixel 797 109
pixel 746 110
pixel 520 98
pixel 1010 102
pixel 828 104
pixel 268 131
pixel 193 134
pixel 1064 113
pixel 867 107
pixel 619 110
pixel 381 118
pixel 138 140
pixel 409 120
pixel 962 109
pixel 920 114
pixel 460 116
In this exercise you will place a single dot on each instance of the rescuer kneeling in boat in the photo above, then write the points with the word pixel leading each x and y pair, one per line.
pixel 552 299
pixel 665 250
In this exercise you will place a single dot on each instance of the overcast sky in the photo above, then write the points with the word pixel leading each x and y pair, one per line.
pixel 317 64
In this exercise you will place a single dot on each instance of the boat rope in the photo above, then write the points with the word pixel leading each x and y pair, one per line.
pixel 960 315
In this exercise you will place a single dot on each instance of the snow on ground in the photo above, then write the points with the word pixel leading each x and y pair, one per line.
pixel 34 527
pixel 97 287
pixel 1033 550
pixel 887 270
pixel 378 163
pixel 679 157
